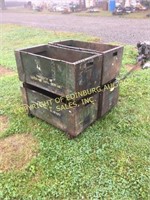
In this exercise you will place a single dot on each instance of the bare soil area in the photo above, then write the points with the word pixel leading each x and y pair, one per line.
pixel 4 71
pixel 16 151
pixel 134 67
pixel 3 123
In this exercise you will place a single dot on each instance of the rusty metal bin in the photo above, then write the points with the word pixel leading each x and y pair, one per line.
pixel 59 70
pixel 112 56
pixel 108 98
pixel 71 117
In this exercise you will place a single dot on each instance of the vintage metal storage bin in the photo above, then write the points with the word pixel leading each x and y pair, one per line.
pixel 59 70
pixel 112 56
pixel 108 98
pixel 71 117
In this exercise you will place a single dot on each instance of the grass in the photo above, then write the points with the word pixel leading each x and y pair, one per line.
pixel 109 160
pixel 25 10
pixel 14 37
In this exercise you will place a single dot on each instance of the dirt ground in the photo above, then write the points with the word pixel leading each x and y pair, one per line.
pixel 135 67
pixel 16 151
pixel 3 123
pixel 4 71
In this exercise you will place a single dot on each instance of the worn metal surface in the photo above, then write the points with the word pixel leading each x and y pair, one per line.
pixel 108 98
pixel 71 117
pixel 112 56
pixel 59 70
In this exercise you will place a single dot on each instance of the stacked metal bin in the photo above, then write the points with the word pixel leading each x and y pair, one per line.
pixel 52 73
pixel 111 63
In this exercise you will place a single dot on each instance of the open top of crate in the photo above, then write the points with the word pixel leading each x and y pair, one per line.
pixel 112 55
pixel 91 46
pixel 59 70
pixel 63 54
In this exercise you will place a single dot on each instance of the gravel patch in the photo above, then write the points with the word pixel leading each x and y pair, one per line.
pixel 109 29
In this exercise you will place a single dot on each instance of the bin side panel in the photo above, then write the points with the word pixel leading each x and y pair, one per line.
pixel 72 120
pixel 111 64
pixel 88 73
pixel 25 99
pixel 45 73
pixel 46 109
pixel 86 114
pixel 99 47
pixel 108 99
pixel 20 69
pixel 70 79
pixel 67 54
pixel 35 49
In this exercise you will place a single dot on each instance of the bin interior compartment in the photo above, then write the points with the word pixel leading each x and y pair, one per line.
pixel 98 47
pixel 111 56
pixel 58 53
pixel 59 70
